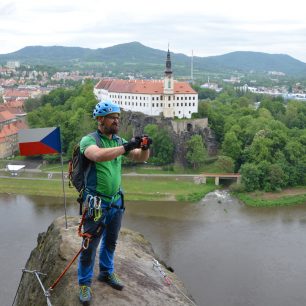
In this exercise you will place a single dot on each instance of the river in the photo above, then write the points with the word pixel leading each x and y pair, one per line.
pixel 227 254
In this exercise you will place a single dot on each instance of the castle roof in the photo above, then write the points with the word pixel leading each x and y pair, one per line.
pixel 142 86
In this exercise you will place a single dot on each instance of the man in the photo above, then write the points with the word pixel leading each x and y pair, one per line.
pixel 102 194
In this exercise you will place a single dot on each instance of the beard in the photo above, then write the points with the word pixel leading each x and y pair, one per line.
pixel 112 129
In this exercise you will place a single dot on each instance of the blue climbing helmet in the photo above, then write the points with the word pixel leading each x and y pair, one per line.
pixel 104 108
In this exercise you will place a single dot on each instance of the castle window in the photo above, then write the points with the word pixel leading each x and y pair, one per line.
pixel 152 98
pixel 193 104
pixel 193 98
pixel 156 104
pixel 152 104
pixel 161 97
pixel 169 98
pixel 157 98
pixel 181 98
pixel 169 105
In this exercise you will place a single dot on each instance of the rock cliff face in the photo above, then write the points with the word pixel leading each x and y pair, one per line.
pixel 144 285
pixel 181 131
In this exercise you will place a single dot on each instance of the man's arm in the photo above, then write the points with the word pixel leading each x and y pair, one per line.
pixel 139 155
pixel 96 154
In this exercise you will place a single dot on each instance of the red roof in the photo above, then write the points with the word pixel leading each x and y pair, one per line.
pixel 14 107
pixel 6 115
pixel 8 130
pixel 142 86
pixel 11 129
pixel 14 93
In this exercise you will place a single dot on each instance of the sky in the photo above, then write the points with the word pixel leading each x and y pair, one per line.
pixel 204 28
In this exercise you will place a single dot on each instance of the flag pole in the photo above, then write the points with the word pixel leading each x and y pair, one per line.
pixel 64 193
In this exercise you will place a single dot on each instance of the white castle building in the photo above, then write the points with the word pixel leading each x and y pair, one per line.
pixel 152 97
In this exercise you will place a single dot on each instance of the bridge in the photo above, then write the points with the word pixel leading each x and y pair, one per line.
pixel 201 179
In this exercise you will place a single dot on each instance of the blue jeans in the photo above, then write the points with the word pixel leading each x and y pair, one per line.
pixel 111 217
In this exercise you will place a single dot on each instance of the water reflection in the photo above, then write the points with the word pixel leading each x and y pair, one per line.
pixel 226 253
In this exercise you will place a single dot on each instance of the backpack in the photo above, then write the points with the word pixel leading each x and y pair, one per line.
pixel 79 167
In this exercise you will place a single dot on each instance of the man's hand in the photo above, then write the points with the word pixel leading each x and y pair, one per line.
pixel 145 143
pixel 134 143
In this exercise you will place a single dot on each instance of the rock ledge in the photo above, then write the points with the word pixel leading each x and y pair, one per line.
pixel 134 265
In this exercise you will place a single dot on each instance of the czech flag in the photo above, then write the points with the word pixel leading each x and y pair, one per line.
pixel 39 141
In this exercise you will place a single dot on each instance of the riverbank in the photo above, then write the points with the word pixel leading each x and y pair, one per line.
pixel 142 188
pixel 286 197
pixel 154 187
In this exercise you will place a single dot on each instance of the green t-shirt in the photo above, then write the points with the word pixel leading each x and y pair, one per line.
pixel 104 177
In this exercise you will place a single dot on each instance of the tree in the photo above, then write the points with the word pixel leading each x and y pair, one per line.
pixel 250 176
pixel 162 149
pixel 196 152
pixel 276 107
pixel 231 146
pixel 276 178
pixel 260 149
pixel 226 163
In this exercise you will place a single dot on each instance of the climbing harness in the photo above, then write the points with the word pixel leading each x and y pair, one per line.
pixel 169 281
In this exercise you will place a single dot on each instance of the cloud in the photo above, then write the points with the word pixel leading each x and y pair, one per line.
pixel 208 28
pixel 7 9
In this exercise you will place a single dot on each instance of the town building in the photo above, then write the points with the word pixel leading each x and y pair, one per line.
pixel 11 121
pixel 166 97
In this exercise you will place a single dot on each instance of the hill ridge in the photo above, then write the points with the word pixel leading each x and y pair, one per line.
pixel 136 57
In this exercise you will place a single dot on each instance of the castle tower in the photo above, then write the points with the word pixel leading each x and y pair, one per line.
pixel 168 78
pixel 168 110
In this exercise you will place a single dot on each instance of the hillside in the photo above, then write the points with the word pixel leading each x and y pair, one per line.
pixel 136 58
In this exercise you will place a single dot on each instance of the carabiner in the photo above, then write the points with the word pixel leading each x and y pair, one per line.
pixel 85 243
pixel 97 202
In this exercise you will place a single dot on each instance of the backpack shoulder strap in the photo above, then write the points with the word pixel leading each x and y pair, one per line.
pixel 98 140
pixel 96 136
pixel 119 140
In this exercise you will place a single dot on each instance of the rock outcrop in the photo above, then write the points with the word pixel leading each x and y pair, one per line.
pixel 144 285
pixel 180 131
